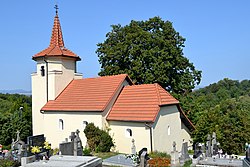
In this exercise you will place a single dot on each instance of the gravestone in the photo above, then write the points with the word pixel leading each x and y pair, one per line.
pixel 208 146
pixel 78 149
pixel 37 140
pixel 174 155
pixel 66 148
pixel 18 148
pixel 184 153
pixel 214 146
pixel 197 150
pixel 133 148
pixel 74 147
pixel 203 150
pixel 248 154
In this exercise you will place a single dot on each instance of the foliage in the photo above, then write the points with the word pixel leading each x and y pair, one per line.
pixel 224 108
pixel 87 152
pixel 106 142
pixel 188 163
pixel 98 140
pixel 134 157
pixel 156 154
pixel 12 118
pixel 149 52
pixel 8 163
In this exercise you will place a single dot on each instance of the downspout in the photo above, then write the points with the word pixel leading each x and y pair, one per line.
pixel 151 136
pixel 47 80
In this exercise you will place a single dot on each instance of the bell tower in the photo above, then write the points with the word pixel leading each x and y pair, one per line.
pixel 56 68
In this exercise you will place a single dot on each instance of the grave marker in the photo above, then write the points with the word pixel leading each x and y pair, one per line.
pixel 74 147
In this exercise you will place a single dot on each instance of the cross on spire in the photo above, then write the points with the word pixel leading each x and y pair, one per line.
pixel 56 7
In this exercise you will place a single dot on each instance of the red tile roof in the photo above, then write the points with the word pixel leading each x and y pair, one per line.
pixel 140 103
pixel 56 47
pixel 90 94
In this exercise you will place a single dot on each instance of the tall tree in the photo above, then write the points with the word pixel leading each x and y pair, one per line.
pixel 148 51
pixel 13 118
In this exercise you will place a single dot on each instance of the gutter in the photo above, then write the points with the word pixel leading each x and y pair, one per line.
pixel 151 136
pixel 47 80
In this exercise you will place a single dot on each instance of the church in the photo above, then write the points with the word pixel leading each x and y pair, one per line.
pixel 63 101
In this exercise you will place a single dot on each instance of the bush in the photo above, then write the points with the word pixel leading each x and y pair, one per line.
pixel 159 159
pixel 87 152
pixel 106 142
pixel 98 140
pixel 8 163
pixel 188 163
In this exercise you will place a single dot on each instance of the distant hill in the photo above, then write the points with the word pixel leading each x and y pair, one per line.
pixel 16 91
pixel 224 108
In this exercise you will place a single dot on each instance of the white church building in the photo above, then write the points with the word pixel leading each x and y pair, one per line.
pixel 63 101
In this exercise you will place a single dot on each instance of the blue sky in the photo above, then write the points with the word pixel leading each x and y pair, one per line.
pixel 217 33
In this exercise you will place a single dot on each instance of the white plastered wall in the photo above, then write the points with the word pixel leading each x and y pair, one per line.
pixel 168 128
pixel 123 143
pixel 71 122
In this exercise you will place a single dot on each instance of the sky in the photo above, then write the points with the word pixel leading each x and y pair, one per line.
pixel 217 33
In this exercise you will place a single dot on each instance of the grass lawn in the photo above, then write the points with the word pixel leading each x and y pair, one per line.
pixel 105 155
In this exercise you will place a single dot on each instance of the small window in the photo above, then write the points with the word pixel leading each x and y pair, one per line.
pixel 42 71
pixel 128 132
pixel 84 124
pixel 61 126
pixel 168 130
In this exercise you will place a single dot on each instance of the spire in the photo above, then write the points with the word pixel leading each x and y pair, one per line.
pixel 56 36
pixel 56 46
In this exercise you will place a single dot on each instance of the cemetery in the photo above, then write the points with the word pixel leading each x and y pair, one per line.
pixel 70 153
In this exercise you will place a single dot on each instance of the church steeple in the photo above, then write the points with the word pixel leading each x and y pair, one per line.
pixel 56 46
pixel 56 36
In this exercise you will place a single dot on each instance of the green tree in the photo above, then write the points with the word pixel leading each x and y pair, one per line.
pixel 224 108
pixel 13 119
pixel 148 51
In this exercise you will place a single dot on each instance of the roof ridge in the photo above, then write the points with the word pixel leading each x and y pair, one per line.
pixel 105 106
pixel 142 84
pixel 106 76
pixel 158 93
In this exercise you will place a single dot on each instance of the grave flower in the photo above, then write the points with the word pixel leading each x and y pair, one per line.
pixel 47 146
pixel 35 149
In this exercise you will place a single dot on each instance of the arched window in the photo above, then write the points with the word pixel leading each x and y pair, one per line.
pixel 61 126
pixel 168 130
pixel 84 124
pixel 128 132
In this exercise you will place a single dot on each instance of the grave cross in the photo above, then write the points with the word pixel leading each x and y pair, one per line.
pixel 77 132
pixel 174 146
pixel 72 136
pixel 18 135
